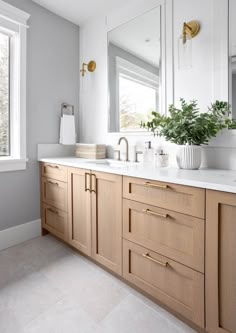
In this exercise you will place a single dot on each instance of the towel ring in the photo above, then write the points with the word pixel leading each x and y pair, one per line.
pixel 66 106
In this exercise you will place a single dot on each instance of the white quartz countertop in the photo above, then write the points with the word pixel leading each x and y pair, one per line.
pixel 214 179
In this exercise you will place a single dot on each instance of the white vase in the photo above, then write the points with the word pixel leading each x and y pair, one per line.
pixel 189 157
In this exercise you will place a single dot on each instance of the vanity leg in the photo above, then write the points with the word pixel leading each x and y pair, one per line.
pixel 44 232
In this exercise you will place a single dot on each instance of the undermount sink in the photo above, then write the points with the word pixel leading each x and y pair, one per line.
pixel 112 163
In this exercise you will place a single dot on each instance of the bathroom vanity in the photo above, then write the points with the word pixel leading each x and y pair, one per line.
pixel 169 232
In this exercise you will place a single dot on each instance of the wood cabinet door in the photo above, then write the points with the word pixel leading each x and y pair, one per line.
pixel 178 198
pixel 179 287
pixel 174 235
pixel 220 262
pixel 54 193
pixel 55 221
pixel 79 209
pixel 107 220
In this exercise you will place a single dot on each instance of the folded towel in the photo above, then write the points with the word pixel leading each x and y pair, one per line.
pixel 67 130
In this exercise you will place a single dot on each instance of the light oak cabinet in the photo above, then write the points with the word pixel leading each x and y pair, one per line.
pixel 107 220
pixel 177 236
pixel 54 200
pixel 176 243
pixel 220 262
pixel 79 210
pixel 95 220
pixel 182 199
pixel 175 285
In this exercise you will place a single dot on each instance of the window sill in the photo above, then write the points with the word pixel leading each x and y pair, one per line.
pixel 12 164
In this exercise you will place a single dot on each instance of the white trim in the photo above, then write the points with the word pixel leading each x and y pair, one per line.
pixel 13 14
pixel 11 164
pixel 19 234
pixel 17 160
pixel 138 73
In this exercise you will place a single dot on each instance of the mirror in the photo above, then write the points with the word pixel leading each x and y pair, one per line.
pixel 134 71
pixel 232 57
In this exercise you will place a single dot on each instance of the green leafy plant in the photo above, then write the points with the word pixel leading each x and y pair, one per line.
pixel 187 125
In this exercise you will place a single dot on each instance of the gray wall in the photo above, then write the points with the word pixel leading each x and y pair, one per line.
pixel 52 78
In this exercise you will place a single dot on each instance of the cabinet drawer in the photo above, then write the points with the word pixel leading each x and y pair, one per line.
pixel 54 171
pixel 177 236
pixel 54 193
pixel 173 284
pixel 178 198
pixel 55 221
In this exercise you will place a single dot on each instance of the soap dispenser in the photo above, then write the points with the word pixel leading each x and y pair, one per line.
pixel 148 153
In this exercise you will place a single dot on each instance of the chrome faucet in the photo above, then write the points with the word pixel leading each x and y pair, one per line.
pixel 127 148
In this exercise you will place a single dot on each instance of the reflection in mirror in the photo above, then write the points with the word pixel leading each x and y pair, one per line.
pixel 134 57
pixel 232 57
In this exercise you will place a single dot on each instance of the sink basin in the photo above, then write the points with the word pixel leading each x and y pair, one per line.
pixel 112 163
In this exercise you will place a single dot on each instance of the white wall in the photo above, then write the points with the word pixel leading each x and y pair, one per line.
pixel 205 82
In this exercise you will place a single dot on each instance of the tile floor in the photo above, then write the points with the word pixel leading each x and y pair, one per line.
pixel 46 287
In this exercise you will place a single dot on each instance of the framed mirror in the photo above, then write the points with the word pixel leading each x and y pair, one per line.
pixel 135 71
pixel 232 57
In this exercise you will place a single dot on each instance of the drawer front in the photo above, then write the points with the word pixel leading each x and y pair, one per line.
pixel 55 221
pixel 173 284
pixel 54 193
pixel 177 236
pixel 54 171
pixel 183 199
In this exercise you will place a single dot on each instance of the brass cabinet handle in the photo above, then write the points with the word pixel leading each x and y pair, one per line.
pixel 53 211
pixel 148 211
pixel 155 185
pixel 86 188
pixel 147 256
pixel 53 166
pixel 95 178
pixel 53 183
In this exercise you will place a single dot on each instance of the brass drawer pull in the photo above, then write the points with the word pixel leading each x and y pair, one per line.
pixel 53 183
pixel 147 256
pixel 95 183
pixel 155 185
pixel 86 182
pixel 53 211
pixel 53 166
pixel 148 211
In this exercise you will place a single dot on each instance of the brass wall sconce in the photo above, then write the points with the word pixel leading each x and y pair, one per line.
pixel 91 66
pixel 189 31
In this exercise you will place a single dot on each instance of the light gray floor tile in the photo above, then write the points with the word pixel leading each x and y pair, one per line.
pixel 64 317
pixel 9 323
pixel 132 315
pixel 47 287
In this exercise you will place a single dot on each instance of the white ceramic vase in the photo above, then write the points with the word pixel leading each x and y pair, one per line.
pixel 189 157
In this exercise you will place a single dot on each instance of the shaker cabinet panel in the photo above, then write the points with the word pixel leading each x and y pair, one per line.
pixel 54 193
pixel 182 199
pixel 220 262
pixel 177 236
pixel 107 220
pixel 79 209
pixel 179 287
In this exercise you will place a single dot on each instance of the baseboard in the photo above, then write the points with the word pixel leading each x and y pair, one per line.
pixel 19 234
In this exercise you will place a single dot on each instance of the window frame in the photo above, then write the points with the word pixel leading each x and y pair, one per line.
pixel 125 68
pixel 14 22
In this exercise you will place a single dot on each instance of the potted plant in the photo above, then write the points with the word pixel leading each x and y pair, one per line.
pixel 189 129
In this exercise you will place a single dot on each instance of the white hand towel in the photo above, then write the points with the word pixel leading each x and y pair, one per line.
pixel 67 130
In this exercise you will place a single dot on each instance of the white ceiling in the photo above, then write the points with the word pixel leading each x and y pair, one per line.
pixel 141 36
pixel 78 11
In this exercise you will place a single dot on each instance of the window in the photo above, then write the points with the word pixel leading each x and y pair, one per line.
pixel 4 95
pixel 12 87
pixel 137 101
pixel 138 95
